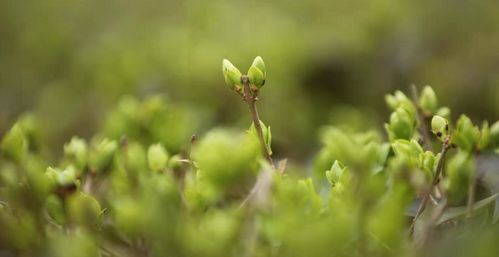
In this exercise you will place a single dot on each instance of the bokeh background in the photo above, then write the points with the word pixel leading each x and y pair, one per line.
pixel 328 62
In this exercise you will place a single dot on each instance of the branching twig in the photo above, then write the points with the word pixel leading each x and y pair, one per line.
pixel 250 97
pixel 441 162
pixel 436 179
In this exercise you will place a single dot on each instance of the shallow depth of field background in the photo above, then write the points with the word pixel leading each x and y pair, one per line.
pixel 328 62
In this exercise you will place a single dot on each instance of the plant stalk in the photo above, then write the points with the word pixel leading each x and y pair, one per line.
pixel 426 197
pixel 250 98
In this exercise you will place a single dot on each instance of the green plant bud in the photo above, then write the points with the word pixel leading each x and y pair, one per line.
pixel 14 144
pixel 466 135
pixel 256 77
pixel 401 125
pixel 258 62
pixel 64 177
pixel 30 127
pixel 76 150
pixel 485 138
pixel 427 164
pixel 157 157
pixel 428 100
pixel 439 126
pixel 494 134
pixel 55 209
pixel 136 157
pixel 84 209
pixel 231 74
pixel 396 100
pixel 334 174
pixel 400 100
pixel 410 149
pixel 460 170
pixel 359 151
pixel 102 155
pixel 443 112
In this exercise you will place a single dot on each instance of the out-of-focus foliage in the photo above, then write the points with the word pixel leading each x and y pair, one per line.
pixel 217 196
pixel 72 61
pixel 107 162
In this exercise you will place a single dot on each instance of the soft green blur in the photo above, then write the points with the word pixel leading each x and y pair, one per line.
pixel 71 61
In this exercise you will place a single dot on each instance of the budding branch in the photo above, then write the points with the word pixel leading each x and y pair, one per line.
pixel 250 97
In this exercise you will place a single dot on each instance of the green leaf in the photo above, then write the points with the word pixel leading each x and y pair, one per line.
pixel 410 149
pixel 485 137
pixel 428 163
pixel 267 135
pixel 334 174
pixel 84 209
pixel 76 151
pixel 460 171
pixel 401 125
pixel 55 209
pixel 452 213
pixel 400 100
pixel 268 140
pixel 64 177
pixel 102 154
pixel 14 144
pixel 466 135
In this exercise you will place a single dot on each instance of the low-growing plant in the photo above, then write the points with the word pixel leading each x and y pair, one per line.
pixel 141 188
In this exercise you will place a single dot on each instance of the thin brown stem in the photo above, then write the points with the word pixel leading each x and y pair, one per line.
pixel 441 163
pixel 435 216
pixel 250 97
pixel 436 180
pixel 423 127
pixel 471 197
pixel 421 208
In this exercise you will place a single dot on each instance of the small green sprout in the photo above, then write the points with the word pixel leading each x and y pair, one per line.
pixel 256 73
pixel 428 100
pixel 232 75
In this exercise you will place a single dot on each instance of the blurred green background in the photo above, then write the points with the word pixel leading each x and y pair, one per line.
pixel 328 62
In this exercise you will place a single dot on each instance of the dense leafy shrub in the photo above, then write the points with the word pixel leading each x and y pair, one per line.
pixel 141 188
